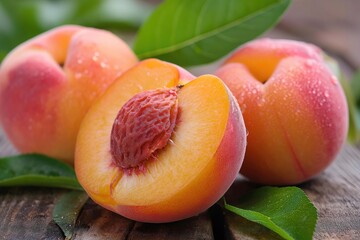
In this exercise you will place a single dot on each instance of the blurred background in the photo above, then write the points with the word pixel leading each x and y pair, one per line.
pixel 332 24
pixel 21 20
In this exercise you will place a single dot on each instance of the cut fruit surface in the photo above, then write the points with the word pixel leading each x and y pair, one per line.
pixel 206 147
pixel 194 143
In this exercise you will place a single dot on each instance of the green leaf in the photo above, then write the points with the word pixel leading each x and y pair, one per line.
pixel 355 87
pixel 112 14
pixel 352 91
pixel 286 211
pixel 36 170
pixel 18 22
pixel 21 20
pixel 67 210
pixel 188 32
pixel 353 108
pixel 352 94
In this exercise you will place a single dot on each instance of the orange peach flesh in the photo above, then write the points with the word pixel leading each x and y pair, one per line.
pixel 48 83
pixel 295 113
pixel 203 151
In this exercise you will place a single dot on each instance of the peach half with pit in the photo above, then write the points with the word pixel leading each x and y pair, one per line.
pixel 48 83
pixel 157 147
pixel 293 106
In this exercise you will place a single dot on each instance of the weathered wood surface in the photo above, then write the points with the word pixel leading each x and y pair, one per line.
pixel 332 25
pixel 335 193
pixel 25 213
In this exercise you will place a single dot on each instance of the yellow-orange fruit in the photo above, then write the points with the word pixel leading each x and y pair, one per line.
pixel 48 83
pixel 190 137
pixel 293 106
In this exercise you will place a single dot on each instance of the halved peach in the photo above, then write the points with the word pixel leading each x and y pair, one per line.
pixel 154 150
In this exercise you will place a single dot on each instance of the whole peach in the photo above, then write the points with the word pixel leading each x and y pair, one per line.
pixel 294 109
pixel 48 83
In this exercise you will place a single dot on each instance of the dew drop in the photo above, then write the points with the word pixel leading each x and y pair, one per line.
pixel 326 94
pixel 78 75
pixel 334 80
pixel 259 103
pixel 104 65
pixel 95 57
pixel 140 87
pixel 309 62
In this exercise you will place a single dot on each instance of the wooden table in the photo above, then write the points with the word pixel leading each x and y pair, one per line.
pixel 334 25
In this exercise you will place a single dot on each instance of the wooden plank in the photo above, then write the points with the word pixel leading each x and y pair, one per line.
pixel 335 193
pixel 27 213
pixel 192 228
pixel 96 222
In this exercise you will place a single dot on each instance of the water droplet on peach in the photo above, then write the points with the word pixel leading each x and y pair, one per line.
pixel 309 62
pixel 334 80
pixel 78 75
pixel 104 65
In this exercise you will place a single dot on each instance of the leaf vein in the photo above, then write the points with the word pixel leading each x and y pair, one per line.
pixel 210 33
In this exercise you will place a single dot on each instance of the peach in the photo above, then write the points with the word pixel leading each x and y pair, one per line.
pixel 293 107
pixel 156 148
pixel 48 83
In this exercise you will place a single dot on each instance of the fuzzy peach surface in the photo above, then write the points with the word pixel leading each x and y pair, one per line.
pixel 48 83
pixel 187 176
pixel 293 106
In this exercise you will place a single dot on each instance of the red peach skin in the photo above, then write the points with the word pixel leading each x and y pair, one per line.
pixel 293 106
pixel 48 83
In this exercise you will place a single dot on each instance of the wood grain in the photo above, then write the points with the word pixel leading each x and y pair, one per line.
pixel 334 25
pixel 26 213
pixel 335 193
pixel 96 222
pixel 193 228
